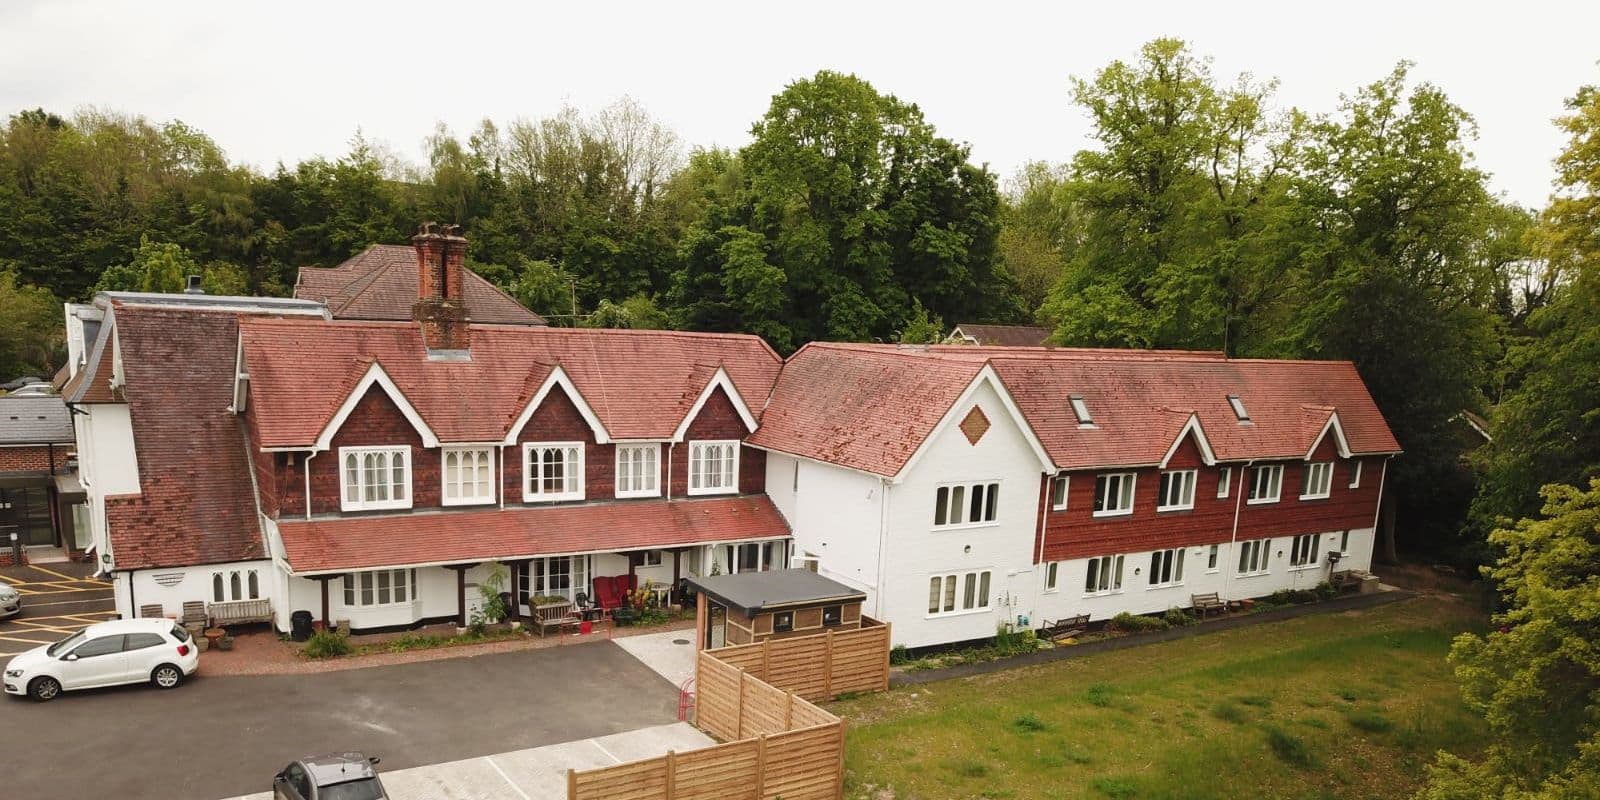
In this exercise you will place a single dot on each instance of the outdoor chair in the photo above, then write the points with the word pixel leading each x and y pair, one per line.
pixel 195 616
pixel 1208 603
pixel 609 594
pixel 152 610
pixel 554 615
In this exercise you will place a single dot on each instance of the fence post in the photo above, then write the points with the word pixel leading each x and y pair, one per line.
pixel 761 766
pixel 572 784
pixel 672 773
pixel 838 789
pixel 827 668
pixel 738 728
pixel 887 638
pixel 788 712
pixel 766 659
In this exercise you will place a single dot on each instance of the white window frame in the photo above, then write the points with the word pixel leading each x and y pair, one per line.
pixel 1239 411
pixel 1174 571
pixel 959 496
pixel 647 483
pixel 727 479
pixel 1255 558
pixel 1304 551
pixel 223 589
pixel 651 558
pixel 1106 572
pixel 484 490
pixel 403 451
pixel 955 588
pixel 1080 409
pixel 1052 571
pixel 533 473
pixel 1128 479
pixel 1274 482
pixel 1060 488
pixel 358 585
pixel 1187 479
pixel 1214 558
pixel 1224 482
pixel 1355 474
pixel 1344 542
pixel 1314 470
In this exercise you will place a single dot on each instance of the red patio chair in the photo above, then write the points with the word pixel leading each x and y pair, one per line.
pixel 608 593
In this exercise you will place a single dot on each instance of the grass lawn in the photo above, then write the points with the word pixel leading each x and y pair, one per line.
pixel 1346 705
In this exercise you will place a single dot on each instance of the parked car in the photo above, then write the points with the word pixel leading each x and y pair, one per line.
pixel 10 600
pixel 106 654
pixel 339 776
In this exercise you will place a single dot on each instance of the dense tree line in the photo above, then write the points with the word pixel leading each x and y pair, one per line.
pixel 1204 216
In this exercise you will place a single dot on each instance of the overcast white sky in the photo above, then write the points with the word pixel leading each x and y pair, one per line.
pixel 286 80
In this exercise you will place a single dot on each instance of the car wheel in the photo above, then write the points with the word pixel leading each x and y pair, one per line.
pixel 44 688
pixel 166 676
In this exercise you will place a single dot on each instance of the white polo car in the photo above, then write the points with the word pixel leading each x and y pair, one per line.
pixel 142 650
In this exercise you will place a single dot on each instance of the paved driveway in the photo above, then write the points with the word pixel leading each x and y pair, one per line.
pixel 57 599
pixel 224 736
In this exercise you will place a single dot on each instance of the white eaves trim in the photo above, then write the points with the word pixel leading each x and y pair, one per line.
pixel 1192 426
pixel 559 377
pixel 1340 442
pixel 720 379
pixel 376 375
pixel 985 375
pixel 520 556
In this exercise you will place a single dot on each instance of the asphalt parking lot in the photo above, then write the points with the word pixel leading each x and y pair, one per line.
pixel 57 599
pixel 224 736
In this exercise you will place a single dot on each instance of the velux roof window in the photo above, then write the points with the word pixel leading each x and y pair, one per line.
pixel 1238 408
pixel 1081 410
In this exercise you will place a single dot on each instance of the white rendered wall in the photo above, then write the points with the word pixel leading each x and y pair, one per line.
pixel 917 551
pixel 836 515
pixel 188 584
pixel 107 463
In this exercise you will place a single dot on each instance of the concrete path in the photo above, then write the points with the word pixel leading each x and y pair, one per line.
pixel 538 773
pixel 669 653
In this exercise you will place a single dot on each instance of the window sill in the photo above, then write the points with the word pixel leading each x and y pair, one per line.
pixel 1170 509
pixel 1058 508
pixel 1104 514
pixel 1111 593
pixel 1252 574
pixel 468 501
pixel 1304 567
pixel 1314 497
pixel 965 526
pixel 638 495
pixel 706 492
pixel 376 507
pixel 551 498
pixel 1263 502
pixel 948 614
pixel 1163 586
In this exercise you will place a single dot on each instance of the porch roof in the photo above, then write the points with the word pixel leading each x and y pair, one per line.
pixel 458 537
pixel 754 592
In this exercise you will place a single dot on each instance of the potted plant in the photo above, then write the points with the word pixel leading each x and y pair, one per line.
pixel 225 643
pixel 492 612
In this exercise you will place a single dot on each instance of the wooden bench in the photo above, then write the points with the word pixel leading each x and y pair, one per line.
pixel 1065 628
pixel 554 615
pixel 237 612
pixel 152 610
pixel 1207 603
pixel 194 615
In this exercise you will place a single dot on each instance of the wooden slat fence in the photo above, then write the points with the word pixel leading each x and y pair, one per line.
pixel 819 667
pixel 778 744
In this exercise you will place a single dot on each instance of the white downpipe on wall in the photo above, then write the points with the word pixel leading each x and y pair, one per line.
pixel 671 448
pixel 1378 513
pixel 1046 506
pixel 501 487
pixel 883 546
pixel 306 465
pixel 1239 489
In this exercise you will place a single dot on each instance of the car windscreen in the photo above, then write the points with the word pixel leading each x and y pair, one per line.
pixel 179 633
pixel 65 644
pixel 364 789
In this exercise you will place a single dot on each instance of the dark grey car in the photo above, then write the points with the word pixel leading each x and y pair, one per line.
pixel 339 776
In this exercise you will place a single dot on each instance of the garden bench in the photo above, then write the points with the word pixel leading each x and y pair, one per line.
pixel 194 615
pixel 1207 603
pixel 554 615
pixel 1065 628
pixel 152 610
pixel 239 611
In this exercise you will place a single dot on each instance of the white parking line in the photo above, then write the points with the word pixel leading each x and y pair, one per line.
pixel 597 746
pixel 509 782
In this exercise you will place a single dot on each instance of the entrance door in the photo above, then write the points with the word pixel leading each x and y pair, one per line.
pixel 26 510
pixel 716 626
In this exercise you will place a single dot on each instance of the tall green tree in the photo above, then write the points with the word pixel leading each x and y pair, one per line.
pixel 31 337
pixel 1547 427
pixel 1536 678
pixel 850 206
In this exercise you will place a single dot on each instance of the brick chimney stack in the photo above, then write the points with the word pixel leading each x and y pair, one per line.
pixel 440 306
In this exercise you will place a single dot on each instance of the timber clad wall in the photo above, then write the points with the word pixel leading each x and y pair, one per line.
pixel 779 745
pixel 1077 533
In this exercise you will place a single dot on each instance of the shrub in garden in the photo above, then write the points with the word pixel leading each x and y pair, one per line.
pixel 1134 623
pixel 327 644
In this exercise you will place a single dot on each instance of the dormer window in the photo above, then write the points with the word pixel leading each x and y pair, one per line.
pixel 1238 408
pixel 1081 411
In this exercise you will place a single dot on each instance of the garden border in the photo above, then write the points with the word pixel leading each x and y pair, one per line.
pixel 1349 603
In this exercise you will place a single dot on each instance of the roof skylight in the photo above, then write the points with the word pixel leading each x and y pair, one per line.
pixel 1081 410
pixel 1238 408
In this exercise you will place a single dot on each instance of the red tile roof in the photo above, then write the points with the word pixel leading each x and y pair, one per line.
pixel 869 406
pixel 380 283
pixel 639 383
pixel 1006 335
pixel 327 545
pixel 196 503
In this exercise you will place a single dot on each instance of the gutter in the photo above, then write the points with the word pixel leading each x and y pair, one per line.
pixel 306 468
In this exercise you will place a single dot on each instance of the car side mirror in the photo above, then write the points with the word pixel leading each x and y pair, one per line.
pixel 70 657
